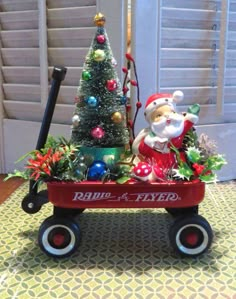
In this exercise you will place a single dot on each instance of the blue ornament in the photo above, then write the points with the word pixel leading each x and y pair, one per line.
pixel 92 101
pixel 123 100
pixel 96 171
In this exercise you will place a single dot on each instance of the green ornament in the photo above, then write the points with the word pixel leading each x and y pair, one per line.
pixel 86 75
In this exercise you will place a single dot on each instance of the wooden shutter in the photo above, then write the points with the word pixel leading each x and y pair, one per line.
pixel 190 55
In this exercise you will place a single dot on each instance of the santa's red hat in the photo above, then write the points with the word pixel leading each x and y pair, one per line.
pixel 161 99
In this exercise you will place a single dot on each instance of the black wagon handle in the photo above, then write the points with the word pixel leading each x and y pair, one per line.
pixel 58 76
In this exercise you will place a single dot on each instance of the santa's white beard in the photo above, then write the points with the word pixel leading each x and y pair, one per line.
pixel 170 130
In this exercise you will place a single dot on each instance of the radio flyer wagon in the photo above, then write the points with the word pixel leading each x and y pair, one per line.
pixel 59 235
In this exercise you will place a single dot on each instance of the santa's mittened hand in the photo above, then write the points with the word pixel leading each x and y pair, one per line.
pixel 194 109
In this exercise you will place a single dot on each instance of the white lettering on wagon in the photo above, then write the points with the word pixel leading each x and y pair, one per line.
pixel 91 196
pixel 157 196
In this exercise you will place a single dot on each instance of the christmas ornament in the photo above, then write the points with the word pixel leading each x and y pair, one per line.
pixel 86 75
pixel 101 39
pixel 96 171
pixel 82 167
pixel 117 117
pixel 79 174
pixel 123 100
pixel 111 85
pixel 113 62
pixel 99 20
pixel 97 132
pixel 99 55
pixel 92 102
pixel 75 120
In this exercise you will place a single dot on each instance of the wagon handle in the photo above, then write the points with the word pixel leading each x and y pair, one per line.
pixel 58 76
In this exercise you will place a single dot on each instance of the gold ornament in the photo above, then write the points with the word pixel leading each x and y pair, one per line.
pixel 99 20
pixel 99 55
pixel 117 117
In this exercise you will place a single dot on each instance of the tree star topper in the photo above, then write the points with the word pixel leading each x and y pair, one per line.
pixel 99 20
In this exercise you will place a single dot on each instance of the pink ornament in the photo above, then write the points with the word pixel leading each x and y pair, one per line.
pixel 101 39
pixel 97 132
pixel 111 85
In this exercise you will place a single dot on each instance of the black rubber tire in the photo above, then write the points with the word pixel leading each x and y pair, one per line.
pixel 191 235
pixel 59 237
pixel 177 212
pixel 29 204
pixel 65 212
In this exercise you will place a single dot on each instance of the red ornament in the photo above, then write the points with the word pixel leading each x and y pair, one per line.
pixel 97 132
pixel 101 39
pixel 111 85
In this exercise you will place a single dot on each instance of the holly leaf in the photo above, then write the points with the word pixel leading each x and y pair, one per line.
pixel 123 180
pixel 215 162
pixel 210 178
pixel 193 154
pixel 183 172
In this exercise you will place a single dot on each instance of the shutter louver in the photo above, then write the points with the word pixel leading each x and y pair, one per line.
pixel 189 53
pixel 20 57
pixel 69 33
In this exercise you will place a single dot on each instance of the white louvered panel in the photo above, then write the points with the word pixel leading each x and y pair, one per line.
pixel 19 20
pixel 192 4
pixel 67 95
pixel 20 56
pixel 189 18
pixel 67 56
pixel 197 58
pixel 72 78
pixel 194 77
pixel 22 92
pixel 71 17
pixel 34 111
pixel 20 39
pixel 203 95
pixel 21 75
pixel 188 77
pixel 188 38
pixel 69 3
pixel 70 37
pixel 18 5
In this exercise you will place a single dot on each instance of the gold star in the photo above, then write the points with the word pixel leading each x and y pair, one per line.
pixel 99 20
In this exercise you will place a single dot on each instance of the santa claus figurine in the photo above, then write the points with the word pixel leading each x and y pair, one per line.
pixel 166 130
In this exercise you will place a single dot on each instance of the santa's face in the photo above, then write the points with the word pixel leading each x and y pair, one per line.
pixel 166 123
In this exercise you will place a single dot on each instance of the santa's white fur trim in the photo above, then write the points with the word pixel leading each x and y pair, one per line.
pixel 178 96
pixel 191 117
pixel 156 104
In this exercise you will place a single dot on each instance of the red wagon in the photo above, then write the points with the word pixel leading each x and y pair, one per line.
pixel 190 235
pixel 59 235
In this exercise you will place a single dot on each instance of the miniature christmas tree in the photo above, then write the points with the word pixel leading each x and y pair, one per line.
pixel 99 120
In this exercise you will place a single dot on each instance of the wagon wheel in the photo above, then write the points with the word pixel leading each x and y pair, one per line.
pixel 30 205
pixel 191 235
pixel 182 211
pixel 59 237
